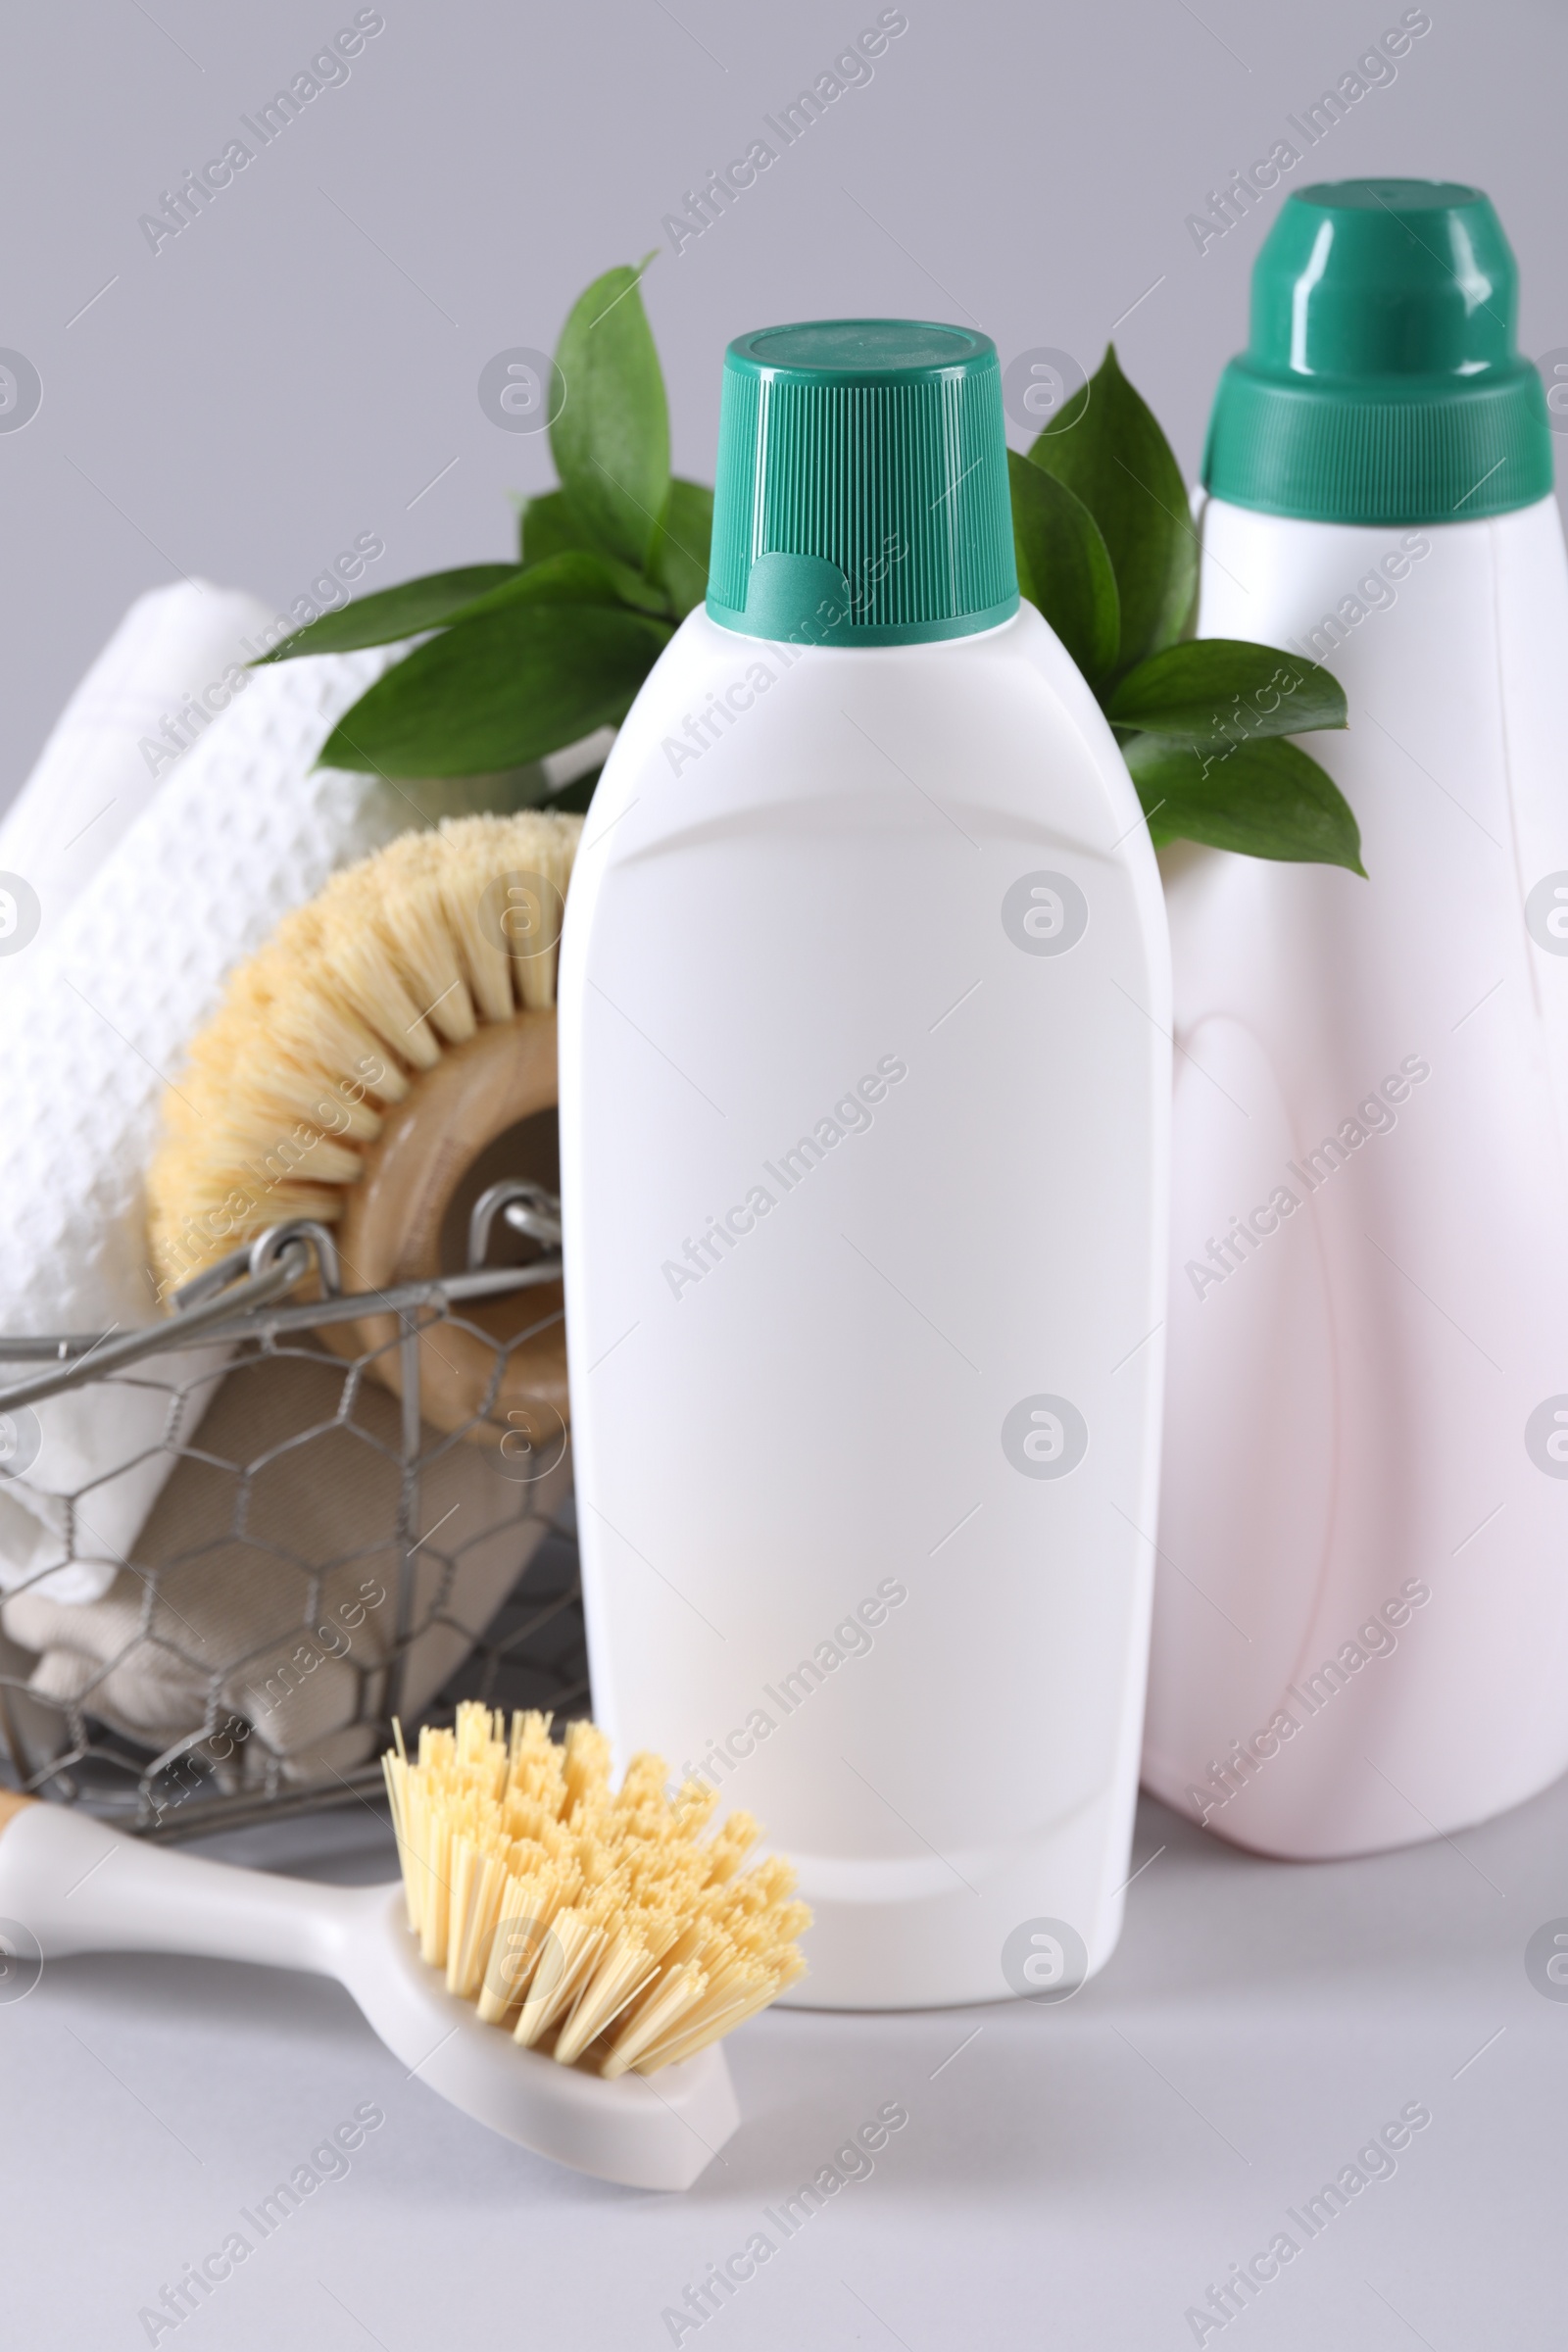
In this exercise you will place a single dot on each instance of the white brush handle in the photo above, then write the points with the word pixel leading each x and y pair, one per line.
pixel 73 1885
pixel 78 1887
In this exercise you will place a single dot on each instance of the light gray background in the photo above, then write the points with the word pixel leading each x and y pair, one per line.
pixel 293 371
pixel 297 366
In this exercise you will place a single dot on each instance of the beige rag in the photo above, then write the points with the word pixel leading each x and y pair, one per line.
pixel 262 1607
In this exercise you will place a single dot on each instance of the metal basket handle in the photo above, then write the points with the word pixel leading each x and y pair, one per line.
pixel 254 1276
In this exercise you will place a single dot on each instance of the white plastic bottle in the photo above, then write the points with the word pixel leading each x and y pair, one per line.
pixel 864 1102
pixel 1361 1637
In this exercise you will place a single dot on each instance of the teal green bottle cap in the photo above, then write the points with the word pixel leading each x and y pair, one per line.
pixel 861 494
pixel 1382 383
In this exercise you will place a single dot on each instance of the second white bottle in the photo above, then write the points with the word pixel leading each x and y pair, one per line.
pixel 1361 1639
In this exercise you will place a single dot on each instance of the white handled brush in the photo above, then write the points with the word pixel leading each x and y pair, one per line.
pixel 633 1946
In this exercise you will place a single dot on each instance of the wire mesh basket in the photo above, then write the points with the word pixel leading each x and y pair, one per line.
pixel 318 1554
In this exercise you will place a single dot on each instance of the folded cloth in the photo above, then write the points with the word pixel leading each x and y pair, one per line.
pixel 33 1731
pixel 262 1607
pixel 175 662
pixel 240 832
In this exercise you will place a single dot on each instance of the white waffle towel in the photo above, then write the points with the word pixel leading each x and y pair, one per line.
pixel 240 831
pixel 169 669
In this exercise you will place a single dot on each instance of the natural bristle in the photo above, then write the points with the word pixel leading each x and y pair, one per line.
pixel 399 957
pixel 602 1929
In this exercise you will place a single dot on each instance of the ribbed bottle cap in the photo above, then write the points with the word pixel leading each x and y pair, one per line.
pixel 861 494
pixel 1382 383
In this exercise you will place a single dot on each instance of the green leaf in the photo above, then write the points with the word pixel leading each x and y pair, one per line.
pixel 1264 799
pixel 610 439
pixel 549 526
pixel 394 613
pixel 574 577
pixel 1106 446
pixel 499 691
pixel 679 555
pixel 1064 567
pixel 1219 690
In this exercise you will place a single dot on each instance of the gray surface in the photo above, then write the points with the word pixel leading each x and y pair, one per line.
pixel 301 362
pixel 1072 2177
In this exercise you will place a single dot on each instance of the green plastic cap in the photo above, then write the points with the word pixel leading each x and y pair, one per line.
pixel 1383 382
pixel 862 496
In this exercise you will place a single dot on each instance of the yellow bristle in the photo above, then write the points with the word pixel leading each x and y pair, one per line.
pixel 284 1093
pixel 412 919
pixel 368 974
pixel 599 1926
pixel 626 1969
pixel 586 1767
pixel 678 1992
pixel 523 1938
pixel 571 1953
pixel 318 1031
pixel 474 897
pixel 732 1843
pixel 398 959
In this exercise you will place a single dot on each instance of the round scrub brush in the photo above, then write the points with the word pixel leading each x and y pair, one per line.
pixel 363 1066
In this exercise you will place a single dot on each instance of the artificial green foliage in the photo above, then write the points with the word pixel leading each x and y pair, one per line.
pixel 520 659
pixel 1108 450
pixel 394 613
pixel 1202 721
pixel 1265 798
pixel 611 435
pixel 678 556
pixel 500 691
pixel 535 655
pixel 574 577
pixel 1064 567
pixel 1214 691
pixel 550 526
